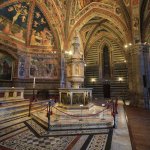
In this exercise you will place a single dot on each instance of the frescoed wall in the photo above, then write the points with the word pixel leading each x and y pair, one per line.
pixel 6 65
pixel 41 67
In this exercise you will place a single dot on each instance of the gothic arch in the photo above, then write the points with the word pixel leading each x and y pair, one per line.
pixel 105 37
pixel 103 44
pixel 9 52
pixel 145 20
pixel 99 12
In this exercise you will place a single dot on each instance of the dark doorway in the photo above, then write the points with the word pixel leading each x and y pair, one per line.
pixel 106 90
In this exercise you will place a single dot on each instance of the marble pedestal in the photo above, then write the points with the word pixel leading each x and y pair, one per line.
pixel 69 93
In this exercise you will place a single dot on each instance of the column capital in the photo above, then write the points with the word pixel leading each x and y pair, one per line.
pixel 138 49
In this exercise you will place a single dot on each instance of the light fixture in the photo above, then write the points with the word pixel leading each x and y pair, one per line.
pixel 130 44
pixel 103 105
pixel 126 46
pixel 93 80
pixel 70 53
pixel 66 52
pixel 120 79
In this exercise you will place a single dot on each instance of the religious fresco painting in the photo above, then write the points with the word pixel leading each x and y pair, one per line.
pixel 2 1
pixel 41 33
pixel 13 20
pixel 6 65
pixel 135 2
pixel 41 67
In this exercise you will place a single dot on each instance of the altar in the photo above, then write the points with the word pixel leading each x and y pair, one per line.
pixel 71 96
pixel 11 93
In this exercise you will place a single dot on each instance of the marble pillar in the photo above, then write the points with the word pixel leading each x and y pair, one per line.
pixel 138 72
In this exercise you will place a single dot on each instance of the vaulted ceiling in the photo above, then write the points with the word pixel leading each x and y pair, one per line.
pixel 51 24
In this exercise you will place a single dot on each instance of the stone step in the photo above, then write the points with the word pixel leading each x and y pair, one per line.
pixel 11 128
pixel 12 101
pixel 39 131
pixel 13 133
pixel 13 122
pixel 10 118
pixel 14 106
pixel 40 121
pixel 20 110
pixel 66 123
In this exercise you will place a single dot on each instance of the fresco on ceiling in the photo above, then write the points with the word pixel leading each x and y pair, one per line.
pixel 62 3
pixel 126 2
pixel 41 33
pixel 41 67
pixel 83 3
pixel 80 4
pixel 2 1
pixel 6 63
pixel 13 19
pixel 21 69
pixel 135 2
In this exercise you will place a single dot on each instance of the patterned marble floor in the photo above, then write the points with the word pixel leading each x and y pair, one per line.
pixel 28 141
pixel 27 135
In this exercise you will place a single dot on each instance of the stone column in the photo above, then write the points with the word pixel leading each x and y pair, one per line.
pixel 22 94
pixel 84 96
pixel 146 75
pixel 62 82
pixel 137 73
pixel 90 95
pixel 71 98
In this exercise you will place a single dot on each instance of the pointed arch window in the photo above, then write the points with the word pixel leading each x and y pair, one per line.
pixel 106 62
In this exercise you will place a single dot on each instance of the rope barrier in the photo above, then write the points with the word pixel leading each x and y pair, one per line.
pixel 107 106
pixel 82 115
pixel 41 105
pixel 42 109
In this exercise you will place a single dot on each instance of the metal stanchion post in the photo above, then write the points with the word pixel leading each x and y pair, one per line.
pixel 48 115
pixel 81 112
pixel 33 97
pixel 103 105
pixel 29 108
pixel 114 115
pixel 31 100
